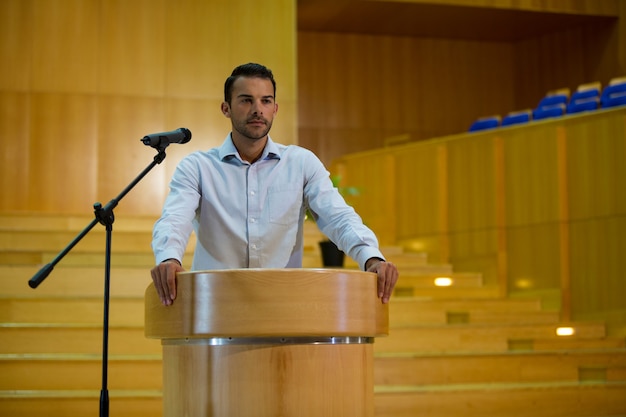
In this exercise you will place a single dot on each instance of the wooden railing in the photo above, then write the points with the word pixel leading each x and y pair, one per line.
pixel 537 208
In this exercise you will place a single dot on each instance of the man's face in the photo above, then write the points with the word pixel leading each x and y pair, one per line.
pixel 252 107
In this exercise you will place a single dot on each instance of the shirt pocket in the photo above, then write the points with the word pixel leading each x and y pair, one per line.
pixel 284 204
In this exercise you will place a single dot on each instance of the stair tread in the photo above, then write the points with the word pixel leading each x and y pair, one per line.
pixel 500 386
pixel 513 353
pixel 120 393
pixel 78 357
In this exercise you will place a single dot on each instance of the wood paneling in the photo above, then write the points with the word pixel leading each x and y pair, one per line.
pixel 16 38
pixel 120 121
pixel 81 81
pixel 62 150
pixel 429 87
pixel 393 85
pixel 533 208
pixel 191 67
pixel 15 133
pixel 132 53
pixel 487 20
pixel 64 56
pixel 564 60
pixel 435 81
pixel 355 90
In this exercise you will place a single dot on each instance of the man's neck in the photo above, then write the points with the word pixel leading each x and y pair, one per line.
pixel 250 150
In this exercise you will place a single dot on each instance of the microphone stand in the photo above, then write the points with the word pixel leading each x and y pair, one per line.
pixel 103 215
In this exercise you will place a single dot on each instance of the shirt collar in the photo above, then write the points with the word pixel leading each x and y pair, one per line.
pixel 228 150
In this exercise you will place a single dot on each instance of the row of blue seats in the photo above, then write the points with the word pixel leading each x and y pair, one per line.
pixel 587 97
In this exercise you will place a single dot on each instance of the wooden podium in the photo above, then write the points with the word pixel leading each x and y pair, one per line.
pixel 268 342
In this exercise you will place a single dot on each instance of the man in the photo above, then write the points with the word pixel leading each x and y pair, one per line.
pixel 247 199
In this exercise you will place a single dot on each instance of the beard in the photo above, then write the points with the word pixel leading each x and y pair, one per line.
pixel 252 132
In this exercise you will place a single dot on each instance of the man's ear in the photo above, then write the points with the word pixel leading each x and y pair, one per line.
pixel 226 109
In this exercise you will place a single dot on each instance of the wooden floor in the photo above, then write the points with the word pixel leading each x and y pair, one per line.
pixel 452 351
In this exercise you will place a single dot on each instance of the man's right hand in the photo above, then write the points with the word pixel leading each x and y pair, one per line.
pixel 164 278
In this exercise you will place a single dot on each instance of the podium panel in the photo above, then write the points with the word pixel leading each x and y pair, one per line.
pixel 258 342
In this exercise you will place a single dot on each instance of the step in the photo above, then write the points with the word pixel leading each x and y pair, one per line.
pixel 85 403
pixel 128 311
pixel 415 280
pixel 128 248
pixel 475 337
pixel 66 222
pixel 504 367
pixel 79 372
pixel 502 400
pixel 78 281
pixel 413 311
pixel 72 224
pixel 541 344
pixel 118 259
pixel 405 261
pixel 86 259
pixel 56 241
pixel 74 338
pixel 514 400
pixel 403 314
pixel 446 293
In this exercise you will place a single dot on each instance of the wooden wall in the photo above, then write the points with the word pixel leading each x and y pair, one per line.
pixel 537 208
pixel 357 90
pixel 82 81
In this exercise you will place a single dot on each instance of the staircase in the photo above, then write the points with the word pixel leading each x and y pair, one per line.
pixel 452 351
pixel 51 337
pixel 465 351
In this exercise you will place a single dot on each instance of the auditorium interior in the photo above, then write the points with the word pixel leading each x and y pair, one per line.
pixel 486 140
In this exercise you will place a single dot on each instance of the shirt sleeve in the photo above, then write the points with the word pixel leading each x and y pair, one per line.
pixel 335 218
pixel 171 232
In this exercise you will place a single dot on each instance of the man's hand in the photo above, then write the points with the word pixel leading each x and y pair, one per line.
pixel 387 277
pixel 164 278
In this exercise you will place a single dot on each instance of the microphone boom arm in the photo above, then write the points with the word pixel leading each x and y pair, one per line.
pixel 105 216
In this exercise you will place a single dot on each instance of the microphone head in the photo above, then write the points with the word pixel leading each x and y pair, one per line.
pixel 186 133
pixel 164 139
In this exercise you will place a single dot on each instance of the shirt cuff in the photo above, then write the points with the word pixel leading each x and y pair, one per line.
pixel 367 253
pixel 167 254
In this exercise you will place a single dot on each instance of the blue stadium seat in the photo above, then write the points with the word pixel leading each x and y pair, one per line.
pixel 614 94
pixel 484 123
pixel 552 105
pixel 516 117
pixel 585 98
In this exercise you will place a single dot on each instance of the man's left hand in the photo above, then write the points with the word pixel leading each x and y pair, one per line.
pixel 387 277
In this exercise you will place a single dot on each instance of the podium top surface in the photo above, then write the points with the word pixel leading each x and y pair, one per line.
pixel 269 303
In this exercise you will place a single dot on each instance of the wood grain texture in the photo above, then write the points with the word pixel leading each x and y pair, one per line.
pixel 536 207
pixel 269 303
pixel 268 381
pixel 82 81
pixel 275 379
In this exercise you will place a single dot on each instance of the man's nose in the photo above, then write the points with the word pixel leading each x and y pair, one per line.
pixel 257 108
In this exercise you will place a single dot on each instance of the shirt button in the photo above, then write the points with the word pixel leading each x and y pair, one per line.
pixel 253 246
pixel 253 220
pixel 252 193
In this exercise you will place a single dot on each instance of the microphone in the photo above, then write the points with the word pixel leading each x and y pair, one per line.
pixel 162 140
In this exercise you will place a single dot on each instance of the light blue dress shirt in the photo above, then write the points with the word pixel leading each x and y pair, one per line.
pixel 251 215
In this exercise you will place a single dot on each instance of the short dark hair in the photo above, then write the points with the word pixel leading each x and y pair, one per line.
pixel 247 70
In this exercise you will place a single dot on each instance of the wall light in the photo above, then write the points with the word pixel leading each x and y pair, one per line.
pixel 443 281
pixel 565 331
pixel 524 283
